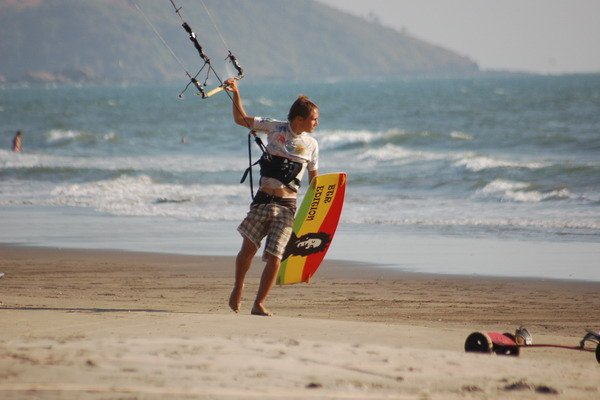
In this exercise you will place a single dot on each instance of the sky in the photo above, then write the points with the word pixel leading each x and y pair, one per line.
pixel 542 36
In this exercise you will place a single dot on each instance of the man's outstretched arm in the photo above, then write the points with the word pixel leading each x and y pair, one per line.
pixel 239 114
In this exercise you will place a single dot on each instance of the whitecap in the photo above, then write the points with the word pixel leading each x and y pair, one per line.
pixel 479 163
pixel 391 152
pixel 460 135
pixel 265 102
pixel 58 135
pixel 502 185
pixel 109 137
pixel 517 192
pixel 332 138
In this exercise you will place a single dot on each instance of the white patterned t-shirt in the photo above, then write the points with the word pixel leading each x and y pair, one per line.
pixel 282 142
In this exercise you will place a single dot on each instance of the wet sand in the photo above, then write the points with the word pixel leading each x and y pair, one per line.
pixel 90 324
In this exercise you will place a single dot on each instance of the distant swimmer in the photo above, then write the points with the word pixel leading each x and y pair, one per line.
pixel 1 275
pixel 17 144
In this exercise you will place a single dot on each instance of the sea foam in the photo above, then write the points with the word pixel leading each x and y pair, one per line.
pixel 520 192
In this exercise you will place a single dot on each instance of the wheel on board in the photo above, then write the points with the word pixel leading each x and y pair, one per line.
pixel 598 353
pixel 478 342
pixel 507 350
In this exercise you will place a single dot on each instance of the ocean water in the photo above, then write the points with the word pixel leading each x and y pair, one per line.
pixel 479 160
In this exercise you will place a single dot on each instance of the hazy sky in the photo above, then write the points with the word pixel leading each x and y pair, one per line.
pixel 549 36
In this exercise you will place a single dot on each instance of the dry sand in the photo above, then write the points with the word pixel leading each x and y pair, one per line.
pixel 78 324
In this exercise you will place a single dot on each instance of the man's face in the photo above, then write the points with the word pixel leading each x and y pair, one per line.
pixel 310 124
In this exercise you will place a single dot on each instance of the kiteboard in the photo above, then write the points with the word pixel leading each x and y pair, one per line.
pixel 314 226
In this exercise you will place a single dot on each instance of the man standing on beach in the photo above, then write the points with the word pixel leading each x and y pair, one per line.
pixel 291 150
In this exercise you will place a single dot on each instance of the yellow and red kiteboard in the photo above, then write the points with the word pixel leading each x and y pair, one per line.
pixel 314 226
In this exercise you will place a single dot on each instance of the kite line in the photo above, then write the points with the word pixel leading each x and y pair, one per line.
pixel 209 69
pixel 206 62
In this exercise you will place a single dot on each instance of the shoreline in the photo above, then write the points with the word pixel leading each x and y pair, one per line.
pixel 89 324
pixel 382 266
pixel 399 247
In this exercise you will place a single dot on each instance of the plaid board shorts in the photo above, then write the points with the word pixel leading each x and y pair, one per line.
pixel 271 220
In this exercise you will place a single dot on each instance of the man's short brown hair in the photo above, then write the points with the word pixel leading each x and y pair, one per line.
pixel 302 107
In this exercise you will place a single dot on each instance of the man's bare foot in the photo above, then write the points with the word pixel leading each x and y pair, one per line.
pixel 235 300
pixel 259 309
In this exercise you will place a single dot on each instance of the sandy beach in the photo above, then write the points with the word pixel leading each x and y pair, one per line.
pixel 100 324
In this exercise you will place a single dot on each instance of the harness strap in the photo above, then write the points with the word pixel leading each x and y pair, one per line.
pixel 248 170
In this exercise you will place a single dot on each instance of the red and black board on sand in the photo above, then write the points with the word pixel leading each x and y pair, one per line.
pixel 509 344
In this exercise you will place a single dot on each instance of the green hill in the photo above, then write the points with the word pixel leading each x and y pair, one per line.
pixel 109 41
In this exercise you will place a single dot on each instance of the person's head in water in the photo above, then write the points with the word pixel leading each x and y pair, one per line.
pixel 304 114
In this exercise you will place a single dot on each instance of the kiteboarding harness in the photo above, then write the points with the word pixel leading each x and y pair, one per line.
pixel 280 168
